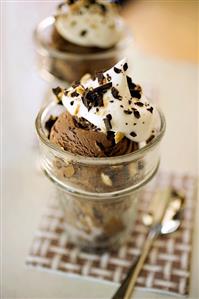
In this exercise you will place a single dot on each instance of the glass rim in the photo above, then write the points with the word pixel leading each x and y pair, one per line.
pixel 95 160
pixel 44 49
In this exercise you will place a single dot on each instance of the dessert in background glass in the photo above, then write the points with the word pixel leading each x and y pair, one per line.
pixel 84 36
pixel 100 144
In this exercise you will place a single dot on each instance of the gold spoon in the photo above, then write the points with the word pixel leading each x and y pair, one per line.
pixel 164 219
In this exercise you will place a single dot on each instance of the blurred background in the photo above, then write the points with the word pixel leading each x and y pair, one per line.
pixel 163 56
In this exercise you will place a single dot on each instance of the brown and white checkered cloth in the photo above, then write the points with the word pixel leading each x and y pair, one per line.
pixel 167 268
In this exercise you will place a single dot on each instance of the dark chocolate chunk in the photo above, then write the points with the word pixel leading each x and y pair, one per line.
pixel 111 101
pixel 115 93
pixel 150 109
pixel 125 66
pixel 72 102
pixel 116 70
pixel 121 106
pixel 133 134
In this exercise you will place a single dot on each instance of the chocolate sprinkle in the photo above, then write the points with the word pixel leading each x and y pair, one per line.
pixel 107 122
pixel 117 71
pixel 115 93
pixel 133 134
pixel 150 109
pixel 125 66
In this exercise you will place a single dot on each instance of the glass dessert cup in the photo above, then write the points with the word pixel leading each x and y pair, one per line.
pixel 99 196
pixel 67 66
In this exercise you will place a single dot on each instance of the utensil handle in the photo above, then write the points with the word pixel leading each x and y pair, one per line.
pixel 120 291
pixel 134 270
pixel 132 281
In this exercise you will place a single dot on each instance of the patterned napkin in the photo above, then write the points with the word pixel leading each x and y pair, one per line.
pixel 167 268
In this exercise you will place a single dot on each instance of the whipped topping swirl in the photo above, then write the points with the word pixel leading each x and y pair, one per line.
pixel 89 23
pixel 112 102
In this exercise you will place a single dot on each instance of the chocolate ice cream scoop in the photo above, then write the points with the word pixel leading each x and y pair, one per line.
pixel 81 137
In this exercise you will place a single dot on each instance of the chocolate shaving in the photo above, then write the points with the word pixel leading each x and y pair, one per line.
pixel 107 122
pixel 135 90
pixel 150 109
pixel 94 97
pixel 83 32
pixel 115 93
pixel 128 111
pixel 111 136
pixel 74 94
pixel 49 123
pixel 56 91
pixel 108 77
pixel 133 134
pixel 75 84
pixel 125 66
pixel 100 77
pixel 150 138
pixel 136 113
pixel 82 123
pixel 116 70
pixel 140 104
